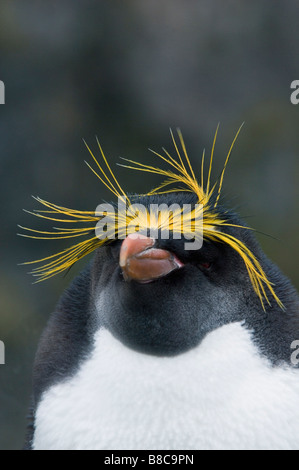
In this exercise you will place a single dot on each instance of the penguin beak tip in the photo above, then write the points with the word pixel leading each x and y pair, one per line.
pixel 140 261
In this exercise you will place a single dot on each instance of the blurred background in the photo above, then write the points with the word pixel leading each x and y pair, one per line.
pixel 126 72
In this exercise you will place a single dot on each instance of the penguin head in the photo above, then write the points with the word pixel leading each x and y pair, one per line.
pixel 160 297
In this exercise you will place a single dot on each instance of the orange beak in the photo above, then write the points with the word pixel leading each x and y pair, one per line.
pixel 141 262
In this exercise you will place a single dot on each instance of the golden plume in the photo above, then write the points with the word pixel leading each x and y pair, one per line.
pixel 178 177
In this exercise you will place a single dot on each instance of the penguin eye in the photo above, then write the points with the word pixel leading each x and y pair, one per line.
pixel 205 265
pixel 115 249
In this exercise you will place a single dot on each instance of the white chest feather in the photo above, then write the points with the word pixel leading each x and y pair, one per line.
pixel 221 395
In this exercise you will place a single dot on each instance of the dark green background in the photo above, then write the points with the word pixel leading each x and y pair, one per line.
pixel 127 71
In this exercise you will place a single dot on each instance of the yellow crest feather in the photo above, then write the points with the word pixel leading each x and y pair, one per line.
pixel 179 177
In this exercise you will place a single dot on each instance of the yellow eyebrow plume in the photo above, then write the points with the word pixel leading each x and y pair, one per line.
pixel 179 176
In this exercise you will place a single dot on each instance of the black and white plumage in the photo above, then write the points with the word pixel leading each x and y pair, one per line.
pixel 190 360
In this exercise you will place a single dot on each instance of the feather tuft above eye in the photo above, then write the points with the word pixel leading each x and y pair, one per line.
pixel 178 177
